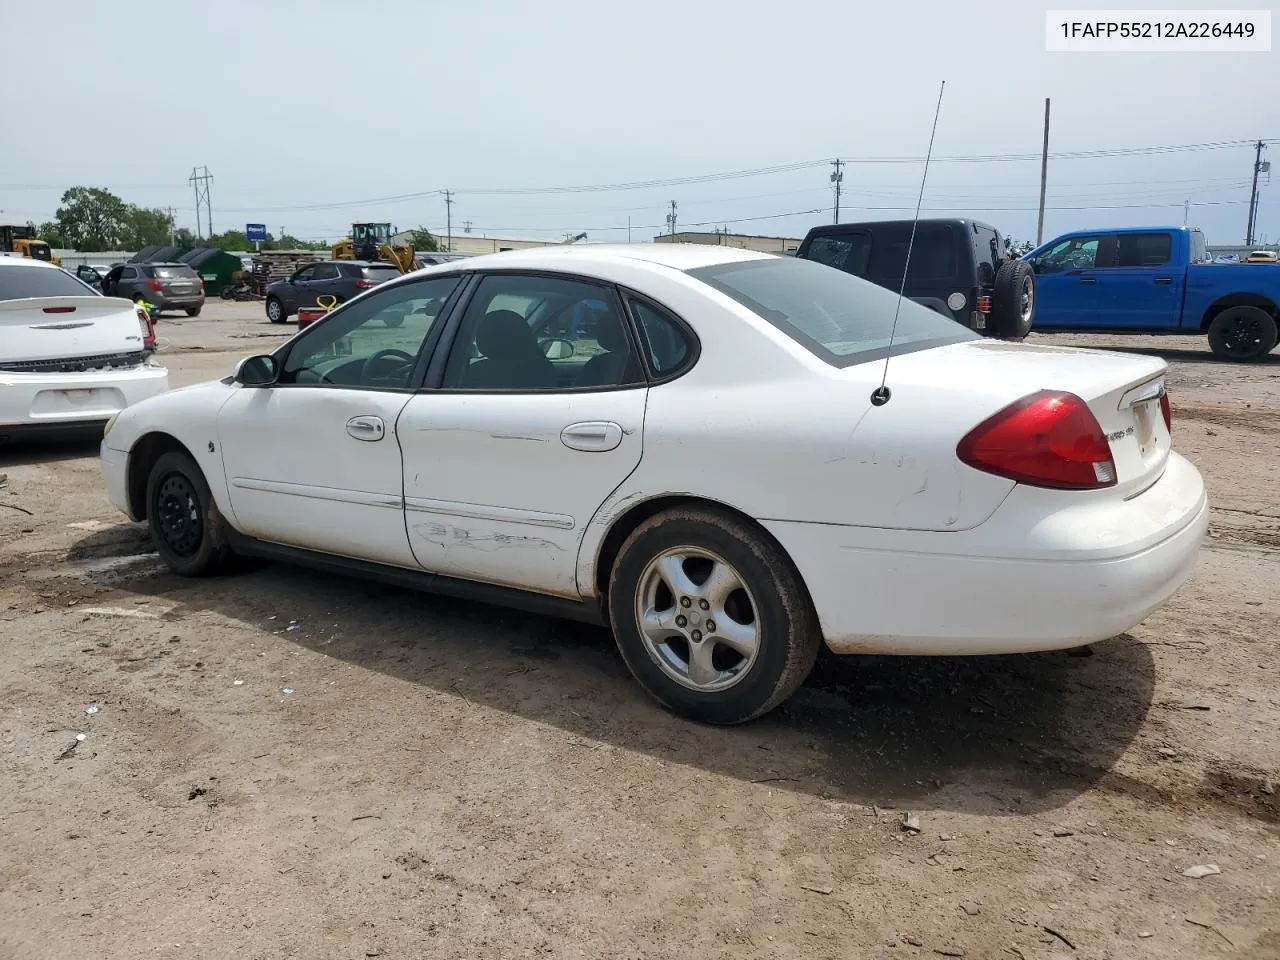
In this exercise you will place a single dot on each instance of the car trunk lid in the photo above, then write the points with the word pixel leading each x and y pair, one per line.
pixel 53 328
pixel 1122 391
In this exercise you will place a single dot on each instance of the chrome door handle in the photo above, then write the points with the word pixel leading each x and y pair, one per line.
pixel 366 428
pixel 1164 280
pixel 592 436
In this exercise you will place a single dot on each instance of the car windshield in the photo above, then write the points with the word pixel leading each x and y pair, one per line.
pixel 381 274
pixel 838 317
pixel 20 283
pixel 175 272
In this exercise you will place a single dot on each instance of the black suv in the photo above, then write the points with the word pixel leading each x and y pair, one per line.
pixel 343 279
pixel 960 268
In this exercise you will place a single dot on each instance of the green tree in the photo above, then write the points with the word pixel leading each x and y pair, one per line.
pixel 423 241
pixel 144 227
pixel 183 237
pixel 92 218
pixel 231 240
pixel 51 233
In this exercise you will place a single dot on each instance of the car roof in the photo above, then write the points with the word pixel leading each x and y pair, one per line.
pixel 7 260
pixel 679 256
pixel 834 228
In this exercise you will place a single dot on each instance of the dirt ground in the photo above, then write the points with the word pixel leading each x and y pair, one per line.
pixel 283 764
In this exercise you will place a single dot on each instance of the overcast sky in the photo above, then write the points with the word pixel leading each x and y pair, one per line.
pixel 300 108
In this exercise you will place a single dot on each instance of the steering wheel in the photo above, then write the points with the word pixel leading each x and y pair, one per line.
pixel 390 353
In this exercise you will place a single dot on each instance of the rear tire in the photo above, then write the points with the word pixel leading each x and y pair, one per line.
pixel 275 310
pixel 188 529
pixel 193 311
pixel 1013 301
pixel 711 616
pixel 1242 334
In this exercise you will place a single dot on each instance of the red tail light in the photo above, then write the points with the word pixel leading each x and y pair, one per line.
pixel 59 309
pixel 984 304
pixel 1166 412
pixel 1047 439
pixel 147 327
pixel 154 284
pixel 202 284
pixel 366 284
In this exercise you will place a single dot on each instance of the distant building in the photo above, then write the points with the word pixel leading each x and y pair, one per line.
pixel 741 240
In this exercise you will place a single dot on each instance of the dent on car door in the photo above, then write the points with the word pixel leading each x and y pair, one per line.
pixel 313 460
pixel 508 459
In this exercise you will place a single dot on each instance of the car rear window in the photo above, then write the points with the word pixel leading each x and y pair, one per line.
pixel 381 274
pixel 23 282
pixel 838 317
pixel 177 272
pixel 933 253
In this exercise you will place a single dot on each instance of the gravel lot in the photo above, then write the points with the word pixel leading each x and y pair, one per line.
pixel 284 764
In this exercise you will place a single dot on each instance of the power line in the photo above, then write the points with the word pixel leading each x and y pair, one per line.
pixel 758 172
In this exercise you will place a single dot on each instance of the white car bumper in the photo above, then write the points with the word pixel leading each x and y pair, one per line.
pixel 115 471
pixel 1028 579
pixel 37 402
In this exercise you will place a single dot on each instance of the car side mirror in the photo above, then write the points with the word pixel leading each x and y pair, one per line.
pixel 257 371
pixel 557 349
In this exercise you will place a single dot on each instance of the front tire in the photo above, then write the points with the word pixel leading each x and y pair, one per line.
pixel 711 616
pixel 1242 334
pixel 275 310
pixel 188 529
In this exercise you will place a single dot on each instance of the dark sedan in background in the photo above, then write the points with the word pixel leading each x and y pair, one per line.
pixel 342 279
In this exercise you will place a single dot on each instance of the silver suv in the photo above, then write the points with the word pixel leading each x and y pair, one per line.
pixel 167 286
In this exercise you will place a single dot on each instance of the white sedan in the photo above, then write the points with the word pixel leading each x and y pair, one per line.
pixel 70 358
pixel 682 442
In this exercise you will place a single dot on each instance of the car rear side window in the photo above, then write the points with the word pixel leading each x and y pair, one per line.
pixel 325 271
pixel 1143 249
pixel 666 346
pixel 838 317
pixel 849 252
pixel 381 274
pixel 23 282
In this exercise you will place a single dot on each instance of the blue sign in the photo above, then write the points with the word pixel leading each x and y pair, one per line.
pixel 256 232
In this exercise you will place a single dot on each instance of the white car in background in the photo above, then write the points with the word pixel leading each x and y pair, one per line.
pixel 686 443
pixel 70 358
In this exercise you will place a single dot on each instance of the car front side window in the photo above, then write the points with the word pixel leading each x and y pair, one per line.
pixel 374 343
pixel 1074 253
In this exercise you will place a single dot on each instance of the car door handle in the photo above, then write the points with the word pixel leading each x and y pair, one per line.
pixel 1088 279
pixel 1164 279
pixel 366 428
pixel 592 436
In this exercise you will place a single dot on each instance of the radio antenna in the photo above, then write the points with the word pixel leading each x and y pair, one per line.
pixel 880 395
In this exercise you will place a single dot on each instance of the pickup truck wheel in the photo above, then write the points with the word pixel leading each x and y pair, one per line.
pixel 1242 334
pixel 1013 301
pixel 711 616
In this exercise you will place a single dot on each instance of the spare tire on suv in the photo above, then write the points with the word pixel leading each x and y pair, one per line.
pixel 1013 301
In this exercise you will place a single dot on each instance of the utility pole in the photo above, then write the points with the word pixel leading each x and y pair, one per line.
pixel 448 217
pixel 1044 174
pixel 201 180
pixel 837 178
pixel 1258 167
pixel 671 219
pixel 1186 210
pixel 628 229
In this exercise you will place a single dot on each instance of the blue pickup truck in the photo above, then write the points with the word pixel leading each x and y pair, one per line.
pixel 1156 280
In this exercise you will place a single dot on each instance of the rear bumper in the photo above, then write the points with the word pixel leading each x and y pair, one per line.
pixel 1058 582
pixel 54 402
pixel 179 303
